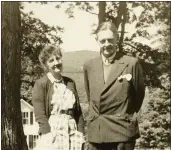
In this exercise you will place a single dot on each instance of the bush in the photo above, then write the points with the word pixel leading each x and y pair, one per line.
pixel 155 121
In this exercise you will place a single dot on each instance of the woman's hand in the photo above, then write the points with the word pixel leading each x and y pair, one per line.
pixel 53 137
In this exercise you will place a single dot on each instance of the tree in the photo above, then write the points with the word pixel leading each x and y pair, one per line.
pixel 101 14
pixel 12 131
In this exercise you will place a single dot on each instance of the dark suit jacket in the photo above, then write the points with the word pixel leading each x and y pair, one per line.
pixel 41 99
pixel 114 104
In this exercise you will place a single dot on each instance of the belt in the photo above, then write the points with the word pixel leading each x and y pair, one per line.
pixel 67 112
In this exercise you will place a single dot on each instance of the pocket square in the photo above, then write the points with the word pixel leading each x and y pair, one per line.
pixel 128 77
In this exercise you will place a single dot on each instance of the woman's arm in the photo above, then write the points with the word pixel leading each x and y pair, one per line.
pixel 38 100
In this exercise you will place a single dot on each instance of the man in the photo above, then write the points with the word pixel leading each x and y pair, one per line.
pixel 115 90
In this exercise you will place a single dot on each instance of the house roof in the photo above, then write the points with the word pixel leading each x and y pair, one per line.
pixel 27 104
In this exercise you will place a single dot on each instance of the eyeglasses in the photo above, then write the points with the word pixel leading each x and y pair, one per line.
pixel 108 40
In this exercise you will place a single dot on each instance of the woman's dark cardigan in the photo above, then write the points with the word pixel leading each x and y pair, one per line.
pixel 41 99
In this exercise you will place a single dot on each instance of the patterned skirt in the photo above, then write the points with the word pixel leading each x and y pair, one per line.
pixel 65 137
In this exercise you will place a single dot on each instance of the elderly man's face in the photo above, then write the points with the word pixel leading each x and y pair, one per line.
pixel 107 42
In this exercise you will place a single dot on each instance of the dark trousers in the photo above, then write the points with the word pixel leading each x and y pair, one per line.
pixel 113 146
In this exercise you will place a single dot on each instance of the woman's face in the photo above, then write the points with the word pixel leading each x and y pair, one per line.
pixel 54 64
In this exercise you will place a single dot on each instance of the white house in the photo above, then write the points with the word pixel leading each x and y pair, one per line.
pixel 29 125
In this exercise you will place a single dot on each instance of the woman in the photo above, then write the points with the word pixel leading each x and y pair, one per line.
pixel 56 106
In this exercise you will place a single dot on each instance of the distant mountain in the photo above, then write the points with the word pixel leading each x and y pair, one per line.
pixel 73 61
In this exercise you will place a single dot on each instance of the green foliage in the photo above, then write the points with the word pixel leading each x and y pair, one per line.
pixel 36 35
pixel 155 121
pixel 155 60
pixel 161 9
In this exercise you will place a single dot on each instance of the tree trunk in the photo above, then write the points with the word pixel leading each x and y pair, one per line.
pixel 12 130
pixel 123 22
pixel 102 13
pixel 121 11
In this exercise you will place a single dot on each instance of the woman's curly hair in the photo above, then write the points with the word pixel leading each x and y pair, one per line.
pixel 47 52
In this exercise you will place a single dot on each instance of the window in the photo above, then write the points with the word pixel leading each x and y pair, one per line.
pixel 25 117
pixel 31 117
pixel 35 137
pixel 32 141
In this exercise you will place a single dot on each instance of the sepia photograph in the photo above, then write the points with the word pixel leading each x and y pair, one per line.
pixel 85 75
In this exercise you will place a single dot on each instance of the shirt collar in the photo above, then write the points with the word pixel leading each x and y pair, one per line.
pixel 52 79
pixel 108 61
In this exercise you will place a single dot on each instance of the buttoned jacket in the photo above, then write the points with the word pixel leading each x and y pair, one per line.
pixel 113 105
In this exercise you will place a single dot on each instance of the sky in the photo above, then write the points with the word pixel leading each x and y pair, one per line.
pixel 77 31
